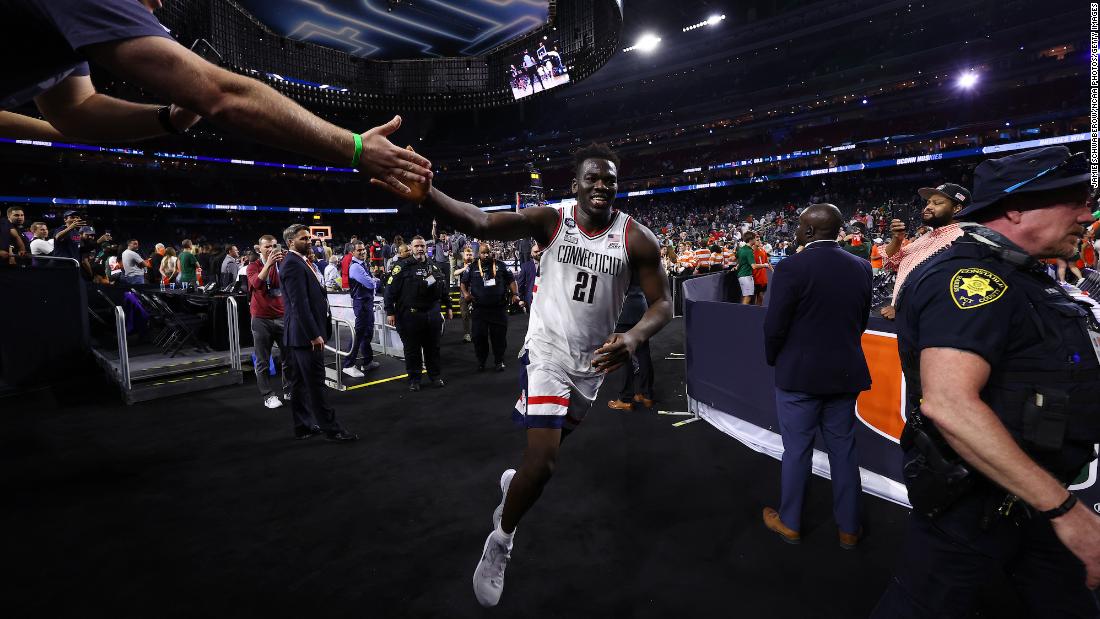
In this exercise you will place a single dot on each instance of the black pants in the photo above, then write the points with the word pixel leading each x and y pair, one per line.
pixel 364 333
pixel 638 376
pixel 490 325
pixel 268 332
pixel 420 333
pixel 307 388
pixel 945 563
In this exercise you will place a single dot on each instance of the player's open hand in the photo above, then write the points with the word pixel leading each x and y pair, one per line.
pixel 615 352
pixel 414 191
pixel 392 167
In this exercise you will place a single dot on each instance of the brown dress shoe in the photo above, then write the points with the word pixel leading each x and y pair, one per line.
pixel 620 405
pixel 644 401
pixel 848 541
pixel 772 521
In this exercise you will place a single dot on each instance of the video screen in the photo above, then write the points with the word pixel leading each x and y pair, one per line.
pixel 538 68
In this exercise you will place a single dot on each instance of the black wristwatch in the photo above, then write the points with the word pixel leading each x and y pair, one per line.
pixel 164 117
pixel 1062 509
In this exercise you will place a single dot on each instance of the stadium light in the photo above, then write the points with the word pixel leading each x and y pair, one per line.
pixel 646 43
pixel 968 80
pixel 713 20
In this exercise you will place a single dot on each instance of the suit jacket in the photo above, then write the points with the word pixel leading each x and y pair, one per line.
pixel 525 281
pixel 305 302
pixel 820 302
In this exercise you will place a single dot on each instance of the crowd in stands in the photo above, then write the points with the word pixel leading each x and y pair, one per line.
pixel 700 232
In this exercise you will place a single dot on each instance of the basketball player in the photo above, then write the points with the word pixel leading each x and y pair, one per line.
pixel 589 253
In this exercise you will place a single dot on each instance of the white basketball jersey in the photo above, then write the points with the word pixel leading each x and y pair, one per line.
pixel 582 281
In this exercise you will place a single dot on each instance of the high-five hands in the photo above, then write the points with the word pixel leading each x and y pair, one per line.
pixel 414 189
pixel 391 167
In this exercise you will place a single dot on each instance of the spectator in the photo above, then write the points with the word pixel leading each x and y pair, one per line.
pixel 42 245
pixel 942 204
pixel 464 302
pixel 812 336
pixel 745 261
pixel 307 324
pixel 442 255
pixel 169 266
pixel 638 374
pixel 133 265
pixel 267 311
pixel 124 37
pixel 11 235
pixel 363 289
pixel 332 274
pixel 153 263
pixel 528 276
pixel 761 265
pixel 189 264
pixel 67 237
pixel 230 266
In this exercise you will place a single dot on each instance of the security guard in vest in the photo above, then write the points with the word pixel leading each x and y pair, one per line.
pixel 414 292
pixel 490 287
pixel 1002 367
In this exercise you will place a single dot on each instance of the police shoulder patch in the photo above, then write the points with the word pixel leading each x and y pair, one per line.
pixel 396 269
pixel 390 280
pixel 972 287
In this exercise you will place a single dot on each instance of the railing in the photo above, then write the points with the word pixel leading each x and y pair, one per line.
pixel 234 333
pixel 340 354
pixel 123 348
pixel 35 259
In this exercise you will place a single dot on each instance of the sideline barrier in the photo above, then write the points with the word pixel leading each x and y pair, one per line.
pixel 385 339
pixel 739 399
pixel 45 319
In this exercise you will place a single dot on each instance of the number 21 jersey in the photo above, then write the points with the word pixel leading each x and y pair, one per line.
pixel 583 277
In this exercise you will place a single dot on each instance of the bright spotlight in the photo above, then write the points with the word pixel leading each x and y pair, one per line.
pixel 646 43
pixel 968 80
pixel 714 19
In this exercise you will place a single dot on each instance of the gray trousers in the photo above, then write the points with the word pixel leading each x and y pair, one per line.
pixel 267 332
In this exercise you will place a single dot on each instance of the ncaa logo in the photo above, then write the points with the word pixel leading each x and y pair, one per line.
pixel 569 223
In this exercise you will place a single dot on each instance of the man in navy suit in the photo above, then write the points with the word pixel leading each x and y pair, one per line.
pixel 528 271
pixel 820 302
pixel 306 321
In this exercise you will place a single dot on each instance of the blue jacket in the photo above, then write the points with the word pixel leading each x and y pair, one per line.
pixel 818 310
pixel 305 301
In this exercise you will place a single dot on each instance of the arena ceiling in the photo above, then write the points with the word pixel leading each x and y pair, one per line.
pixel 402 29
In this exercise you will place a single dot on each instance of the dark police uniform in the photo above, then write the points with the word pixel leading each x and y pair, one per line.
pixel 986 296
pixel 491 286
pixel 414 292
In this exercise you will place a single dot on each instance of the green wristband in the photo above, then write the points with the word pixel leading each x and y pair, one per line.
pixel 358 150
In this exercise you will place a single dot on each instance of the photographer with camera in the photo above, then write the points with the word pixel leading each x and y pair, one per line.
pixel 266 307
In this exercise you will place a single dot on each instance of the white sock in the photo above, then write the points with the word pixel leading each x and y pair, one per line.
pixel 505 537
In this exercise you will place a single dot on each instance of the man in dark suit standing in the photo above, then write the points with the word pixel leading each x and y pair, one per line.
pixel 820 302
pixel 306 319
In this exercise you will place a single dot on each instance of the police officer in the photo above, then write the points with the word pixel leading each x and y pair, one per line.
pixel 362 289
pixel 490 288
pixel 1003 371
pixel 414 291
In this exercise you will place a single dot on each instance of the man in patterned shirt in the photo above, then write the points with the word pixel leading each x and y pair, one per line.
pixel 942 204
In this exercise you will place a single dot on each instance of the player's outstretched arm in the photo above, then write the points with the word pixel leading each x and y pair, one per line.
pixel 536 222
pixel 645 255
